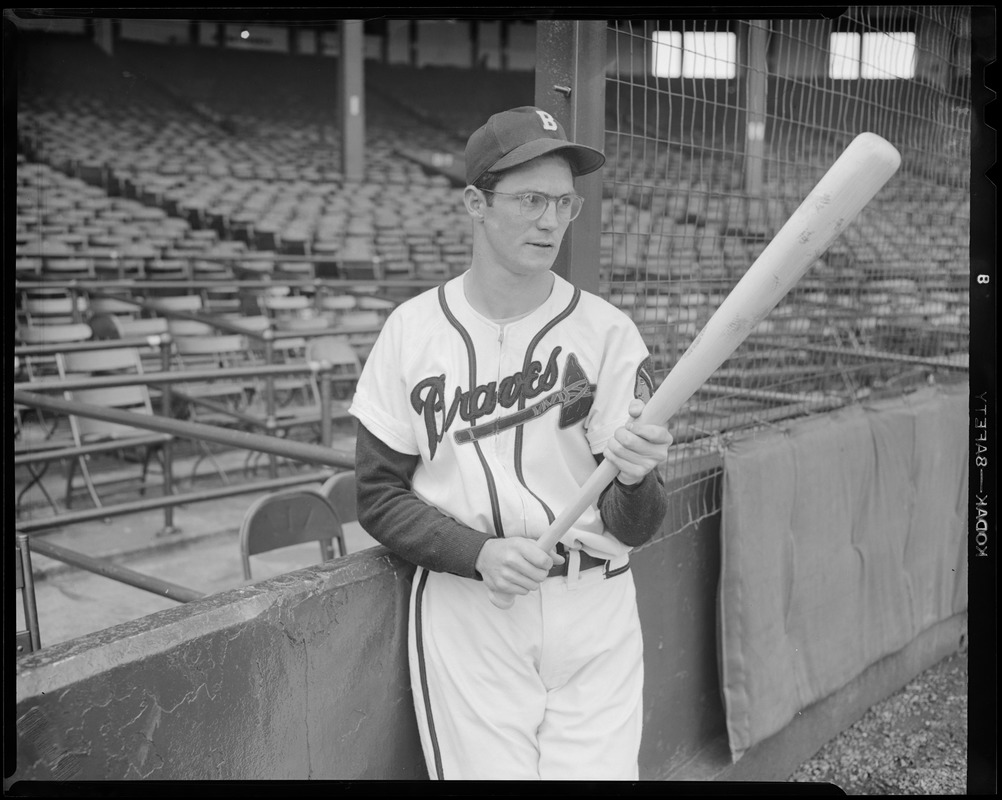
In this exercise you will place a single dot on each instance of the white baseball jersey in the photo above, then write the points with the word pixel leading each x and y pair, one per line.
pixel 506 417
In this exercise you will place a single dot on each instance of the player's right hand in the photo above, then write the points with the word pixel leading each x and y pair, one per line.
pixel 514 566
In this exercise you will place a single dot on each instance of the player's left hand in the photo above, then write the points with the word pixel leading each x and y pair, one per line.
pixel 637 448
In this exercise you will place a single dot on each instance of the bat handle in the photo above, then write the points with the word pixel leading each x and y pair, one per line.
pixel 589 493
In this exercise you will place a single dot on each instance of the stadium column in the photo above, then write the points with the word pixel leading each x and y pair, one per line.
pixel 570 84
pixel 756 88
pixel 104 35
pixel 352 95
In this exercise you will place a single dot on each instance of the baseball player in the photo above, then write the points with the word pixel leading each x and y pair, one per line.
pixel 484 404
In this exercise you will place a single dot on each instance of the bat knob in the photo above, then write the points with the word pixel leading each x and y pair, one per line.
pixel 502 600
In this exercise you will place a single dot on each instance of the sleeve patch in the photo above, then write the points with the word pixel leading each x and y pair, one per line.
pixel 643 387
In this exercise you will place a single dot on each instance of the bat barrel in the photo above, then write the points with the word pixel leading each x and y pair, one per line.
pixel 836 200
pixel 849 184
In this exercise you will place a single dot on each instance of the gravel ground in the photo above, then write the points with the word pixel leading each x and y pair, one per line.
pixel 914 742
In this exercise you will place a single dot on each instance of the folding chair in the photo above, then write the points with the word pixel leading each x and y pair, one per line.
pixel 282 308
pixel 122 307
pixel 212 402
pixel 221 299
pixel 67 269
pixel 43 367
pixel 333 306
pixel 291 312
pixel 339 489
pixel 127 328
pixel 120 326
pixel 53 309
pixel 289 518
pixel 190 327
pixel 111 436
pixel 357 325
pixel 165 304
pixel 339 351
pixel 170 269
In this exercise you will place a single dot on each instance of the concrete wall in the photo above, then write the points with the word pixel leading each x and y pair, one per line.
pixel 299 677
pixel 304 676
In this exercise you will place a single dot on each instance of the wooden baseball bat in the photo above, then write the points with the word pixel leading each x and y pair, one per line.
pixel 849 184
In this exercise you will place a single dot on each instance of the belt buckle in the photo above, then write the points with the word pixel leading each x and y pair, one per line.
pixel 560 570
pixel 585 561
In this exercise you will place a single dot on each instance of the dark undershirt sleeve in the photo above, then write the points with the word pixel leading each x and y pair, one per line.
pixel 394 516
pixel 633 514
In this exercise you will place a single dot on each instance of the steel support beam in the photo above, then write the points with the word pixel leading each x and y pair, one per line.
pixel 756 73
pixel 570 85
pixel 351 73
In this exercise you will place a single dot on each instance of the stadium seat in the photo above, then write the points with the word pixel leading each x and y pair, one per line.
pixel 27 268
pixel 362 328
pixel 38 367
pixel 338 351
pixel 296 269
pixel 221 299
pixel 185 303
pixel 42 310
pixel 121 307
pixel 212 402
pixel 124 326
pixel 67 269
pixel 334 305
pixel 112 436
pixel 168 269
pixel 286 307
pixel 179 328
pixel 339 489
pixel 287 518
pixel 298 398
pixel 52 429
pixel 118 326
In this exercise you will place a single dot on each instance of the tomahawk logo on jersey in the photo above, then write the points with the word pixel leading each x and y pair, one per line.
pixel 574 399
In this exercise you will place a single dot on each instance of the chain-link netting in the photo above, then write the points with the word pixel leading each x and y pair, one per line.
pixel 717 130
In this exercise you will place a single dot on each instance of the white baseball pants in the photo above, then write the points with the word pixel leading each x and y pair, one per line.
pixel 551 688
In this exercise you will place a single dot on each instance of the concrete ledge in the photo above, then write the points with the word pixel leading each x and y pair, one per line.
pixel 302 676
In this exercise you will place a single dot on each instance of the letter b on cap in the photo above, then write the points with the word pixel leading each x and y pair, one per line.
pixel 549 123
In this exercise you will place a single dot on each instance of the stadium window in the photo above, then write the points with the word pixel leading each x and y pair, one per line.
pixel 882 55
pixel 694 54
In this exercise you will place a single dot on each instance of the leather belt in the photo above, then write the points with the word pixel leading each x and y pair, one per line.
pixel 587 562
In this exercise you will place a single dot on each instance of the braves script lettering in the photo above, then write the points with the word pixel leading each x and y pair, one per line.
pixel 428 398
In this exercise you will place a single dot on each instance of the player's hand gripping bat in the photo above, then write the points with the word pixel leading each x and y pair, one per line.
pixel 850 183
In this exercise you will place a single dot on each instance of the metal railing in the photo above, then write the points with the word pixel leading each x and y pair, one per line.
pixel 324 370
pixel 29 391
pixel 298 451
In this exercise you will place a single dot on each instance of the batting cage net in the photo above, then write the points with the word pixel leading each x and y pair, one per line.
pixel 716 130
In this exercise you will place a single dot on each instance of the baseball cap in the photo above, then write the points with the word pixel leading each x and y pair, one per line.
pixel 513 137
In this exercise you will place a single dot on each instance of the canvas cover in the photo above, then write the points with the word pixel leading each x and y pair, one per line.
pixel 843 538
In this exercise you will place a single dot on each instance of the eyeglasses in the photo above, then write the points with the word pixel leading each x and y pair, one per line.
pixel 532 205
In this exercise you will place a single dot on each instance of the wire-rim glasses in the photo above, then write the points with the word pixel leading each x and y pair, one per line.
pixel 532 205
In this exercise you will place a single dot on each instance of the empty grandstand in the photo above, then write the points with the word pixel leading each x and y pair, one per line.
pixel 198 241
